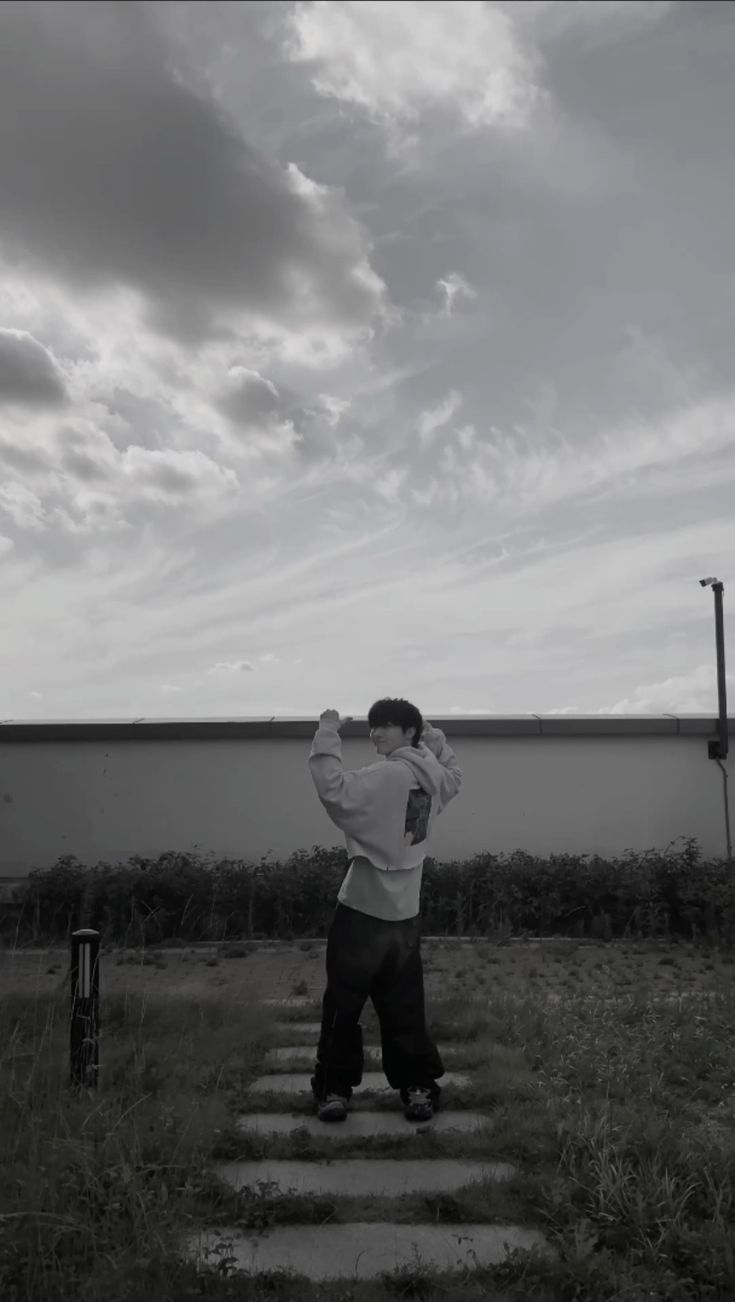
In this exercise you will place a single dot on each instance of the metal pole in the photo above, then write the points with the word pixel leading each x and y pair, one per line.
pixel 718 750
pixel 718 588
pixel 85 992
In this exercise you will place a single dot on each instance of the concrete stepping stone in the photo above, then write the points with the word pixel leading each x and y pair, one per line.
pixel 301 1055
pixel 298 1028
pixel 294 1084
pixel 362 1176
pixel 309 1032
pixel 361 1125
pixel 296 1001
pixel 363 1250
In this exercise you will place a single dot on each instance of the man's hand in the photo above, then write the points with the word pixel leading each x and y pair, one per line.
pixel 334 714
pixel 432 738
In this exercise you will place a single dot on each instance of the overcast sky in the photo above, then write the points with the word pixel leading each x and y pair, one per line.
pixel 361 350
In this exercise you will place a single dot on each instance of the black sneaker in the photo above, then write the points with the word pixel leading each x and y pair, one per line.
pixel 419 1106
pixel 332 1108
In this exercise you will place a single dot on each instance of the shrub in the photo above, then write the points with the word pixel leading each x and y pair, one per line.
pixel 150 901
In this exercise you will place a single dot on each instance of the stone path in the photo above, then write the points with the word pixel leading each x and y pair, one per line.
pixel 367 1249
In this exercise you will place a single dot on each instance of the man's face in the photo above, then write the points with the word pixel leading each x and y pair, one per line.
pixel 387 737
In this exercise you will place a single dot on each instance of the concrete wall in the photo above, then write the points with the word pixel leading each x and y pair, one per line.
pixel 105 790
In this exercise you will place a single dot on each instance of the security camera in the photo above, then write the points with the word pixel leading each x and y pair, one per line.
pixel 706 582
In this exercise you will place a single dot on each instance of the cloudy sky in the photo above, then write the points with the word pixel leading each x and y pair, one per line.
pixel 352 350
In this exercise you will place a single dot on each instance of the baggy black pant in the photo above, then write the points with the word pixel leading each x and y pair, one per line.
pixel 367 956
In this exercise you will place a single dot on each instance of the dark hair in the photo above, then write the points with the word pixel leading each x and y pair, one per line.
pixel 396 711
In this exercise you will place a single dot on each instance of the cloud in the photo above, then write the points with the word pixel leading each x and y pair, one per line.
pixel 83 484
pixel 251 398
pixel 218 503
pixel 27 461
pixel 228 667
pixel 452 286
pixel 173 476
pixel 431 421
pixel 398 59
pixel 114 172
pixel 29 374
pixel 595 21
pixel 694 693
pixel 22 506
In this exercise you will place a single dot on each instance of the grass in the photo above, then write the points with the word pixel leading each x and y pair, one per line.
pixel 620 1117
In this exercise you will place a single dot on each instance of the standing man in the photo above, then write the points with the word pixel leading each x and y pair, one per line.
pixel 386 812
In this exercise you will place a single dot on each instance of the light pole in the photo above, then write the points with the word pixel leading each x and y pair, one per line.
pixel 718 748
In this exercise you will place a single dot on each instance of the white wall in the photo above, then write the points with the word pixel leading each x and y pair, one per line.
pixel 584 786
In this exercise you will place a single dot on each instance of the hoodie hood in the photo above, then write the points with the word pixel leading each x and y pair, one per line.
pixel 421 764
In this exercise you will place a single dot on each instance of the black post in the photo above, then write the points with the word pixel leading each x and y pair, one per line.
pixel 85 993
pixel 718 588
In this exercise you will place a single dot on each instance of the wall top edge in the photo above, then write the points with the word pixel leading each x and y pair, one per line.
pixel 299 726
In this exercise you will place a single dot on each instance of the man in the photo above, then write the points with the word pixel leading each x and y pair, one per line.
pixel 387 812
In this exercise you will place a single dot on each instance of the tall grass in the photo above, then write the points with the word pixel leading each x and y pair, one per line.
pixel 620 1118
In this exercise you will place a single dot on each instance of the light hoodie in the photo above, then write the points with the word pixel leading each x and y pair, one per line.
pixel 387 812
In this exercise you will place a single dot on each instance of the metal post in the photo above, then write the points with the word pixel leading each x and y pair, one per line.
pixel 85 991
pixel 718 750
pixel 718 588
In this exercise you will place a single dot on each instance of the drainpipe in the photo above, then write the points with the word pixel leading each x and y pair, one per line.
pixel 718 749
